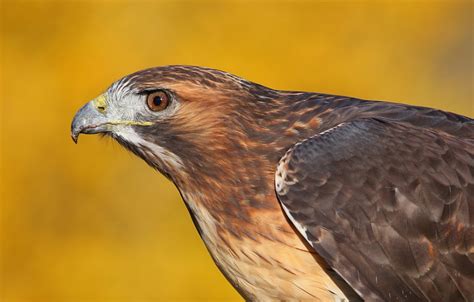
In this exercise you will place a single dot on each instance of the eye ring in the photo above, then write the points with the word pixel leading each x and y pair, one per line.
pixel 157 101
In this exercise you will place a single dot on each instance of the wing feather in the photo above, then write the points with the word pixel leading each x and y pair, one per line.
pixel 388 205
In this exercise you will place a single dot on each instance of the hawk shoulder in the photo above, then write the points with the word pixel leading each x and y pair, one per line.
pixel 389 206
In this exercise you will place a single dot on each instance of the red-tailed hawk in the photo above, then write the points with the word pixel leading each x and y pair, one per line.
pixel 306 196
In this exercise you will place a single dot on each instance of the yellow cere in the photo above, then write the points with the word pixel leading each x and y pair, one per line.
pixel 101 102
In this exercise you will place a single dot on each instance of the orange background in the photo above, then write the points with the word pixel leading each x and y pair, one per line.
pixel 92 222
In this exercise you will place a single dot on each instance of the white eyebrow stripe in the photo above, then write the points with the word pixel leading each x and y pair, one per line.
pixel 122 87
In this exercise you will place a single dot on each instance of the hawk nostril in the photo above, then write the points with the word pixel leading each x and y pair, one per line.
pixel 100 103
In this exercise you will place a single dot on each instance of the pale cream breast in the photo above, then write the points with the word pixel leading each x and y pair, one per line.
pixel 272 263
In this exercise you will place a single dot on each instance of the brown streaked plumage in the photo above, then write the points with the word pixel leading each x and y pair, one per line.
pixel 307 196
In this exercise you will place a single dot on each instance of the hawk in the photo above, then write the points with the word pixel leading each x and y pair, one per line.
pixel 306 196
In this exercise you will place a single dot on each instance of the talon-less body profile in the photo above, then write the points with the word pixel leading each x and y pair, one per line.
pixel 306 196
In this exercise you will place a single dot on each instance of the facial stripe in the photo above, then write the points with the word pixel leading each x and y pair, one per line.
pixel 168 157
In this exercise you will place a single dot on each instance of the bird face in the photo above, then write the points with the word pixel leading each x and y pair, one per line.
pixel 176 118
pixel 115 111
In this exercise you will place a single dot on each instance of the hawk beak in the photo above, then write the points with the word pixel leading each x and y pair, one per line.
pixel 88 120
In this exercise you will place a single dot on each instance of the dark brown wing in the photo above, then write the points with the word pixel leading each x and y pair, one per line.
pixel 389 206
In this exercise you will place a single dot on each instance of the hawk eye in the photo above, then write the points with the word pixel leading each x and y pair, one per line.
pixel 157 101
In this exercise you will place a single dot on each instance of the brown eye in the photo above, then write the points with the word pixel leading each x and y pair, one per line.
pixel 157 101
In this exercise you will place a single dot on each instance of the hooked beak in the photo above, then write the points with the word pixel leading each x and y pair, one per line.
pixel 89 120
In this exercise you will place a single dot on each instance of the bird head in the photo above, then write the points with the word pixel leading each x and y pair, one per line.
pixel 180 119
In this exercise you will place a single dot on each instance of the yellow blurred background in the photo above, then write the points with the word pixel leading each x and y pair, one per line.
pixel 90 222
